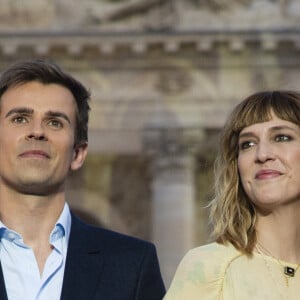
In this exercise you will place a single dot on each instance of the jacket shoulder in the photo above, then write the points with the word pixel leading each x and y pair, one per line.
pixel 106 237
pixel 128 266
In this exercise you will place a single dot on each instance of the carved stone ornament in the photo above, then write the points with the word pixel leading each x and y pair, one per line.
pixel 173 82
pixel 141 15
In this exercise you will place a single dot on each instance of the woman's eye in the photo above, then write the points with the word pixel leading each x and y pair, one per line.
pixel 282 138
pixel 246 145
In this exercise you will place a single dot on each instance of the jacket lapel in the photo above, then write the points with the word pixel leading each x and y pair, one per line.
pixel 3 295
pixel 83 265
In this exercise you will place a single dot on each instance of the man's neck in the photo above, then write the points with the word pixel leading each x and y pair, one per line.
pixel 31 216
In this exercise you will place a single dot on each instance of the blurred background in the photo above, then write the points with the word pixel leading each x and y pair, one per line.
pixel 164 74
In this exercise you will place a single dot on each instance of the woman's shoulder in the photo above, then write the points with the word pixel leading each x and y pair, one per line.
pixel 213 254
pixel 202 272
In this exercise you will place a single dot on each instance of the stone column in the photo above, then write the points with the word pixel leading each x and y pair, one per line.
pixel 172 193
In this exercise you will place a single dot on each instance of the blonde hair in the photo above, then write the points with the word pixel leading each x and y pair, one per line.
pixel 232 214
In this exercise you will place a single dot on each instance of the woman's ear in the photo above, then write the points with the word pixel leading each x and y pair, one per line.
pixel 79 155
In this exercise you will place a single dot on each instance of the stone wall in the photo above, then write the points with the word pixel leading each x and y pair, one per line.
pixel 164 75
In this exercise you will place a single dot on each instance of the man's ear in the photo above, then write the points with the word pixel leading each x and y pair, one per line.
pixel 79 155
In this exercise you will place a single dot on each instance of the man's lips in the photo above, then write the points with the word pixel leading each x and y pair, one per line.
pixel 35 154
pixel 267 174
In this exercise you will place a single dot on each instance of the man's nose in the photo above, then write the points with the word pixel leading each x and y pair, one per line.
pixel 36 131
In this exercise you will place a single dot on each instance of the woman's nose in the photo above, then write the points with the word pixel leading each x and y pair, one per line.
pixel 264 152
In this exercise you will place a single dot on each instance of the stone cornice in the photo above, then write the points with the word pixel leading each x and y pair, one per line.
pixel 107 43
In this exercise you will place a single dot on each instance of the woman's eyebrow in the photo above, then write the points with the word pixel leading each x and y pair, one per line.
pixel 271 129
pixel 246 134
pixel 283 127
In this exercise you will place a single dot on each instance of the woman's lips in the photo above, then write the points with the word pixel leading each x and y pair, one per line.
pixel 267 174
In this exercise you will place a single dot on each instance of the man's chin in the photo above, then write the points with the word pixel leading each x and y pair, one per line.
pixel 38 188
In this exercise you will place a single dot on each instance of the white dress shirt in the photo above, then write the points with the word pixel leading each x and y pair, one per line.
pixel 20 269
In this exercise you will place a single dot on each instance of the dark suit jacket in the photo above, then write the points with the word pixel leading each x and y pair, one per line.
pixel 104 265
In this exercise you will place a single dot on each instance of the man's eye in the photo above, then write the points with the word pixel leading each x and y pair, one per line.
pixel 55 123
pixel 282 138
pixel 19 119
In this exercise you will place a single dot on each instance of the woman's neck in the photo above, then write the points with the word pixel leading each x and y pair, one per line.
pixel 279 234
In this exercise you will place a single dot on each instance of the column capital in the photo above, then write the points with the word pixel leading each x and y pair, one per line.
pixel 171 141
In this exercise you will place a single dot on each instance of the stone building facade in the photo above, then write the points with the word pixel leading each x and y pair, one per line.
pixel 163 74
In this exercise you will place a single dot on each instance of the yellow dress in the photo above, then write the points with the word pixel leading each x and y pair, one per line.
pixel 218 272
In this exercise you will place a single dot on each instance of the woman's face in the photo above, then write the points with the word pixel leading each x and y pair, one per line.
pixel 269 162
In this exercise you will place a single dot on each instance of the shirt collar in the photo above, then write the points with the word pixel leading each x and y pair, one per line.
pixel 62 228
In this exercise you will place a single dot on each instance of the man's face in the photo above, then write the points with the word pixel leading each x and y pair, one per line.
pixel 37 128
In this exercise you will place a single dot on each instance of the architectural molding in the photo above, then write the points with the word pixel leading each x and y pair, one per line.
pixel 74 43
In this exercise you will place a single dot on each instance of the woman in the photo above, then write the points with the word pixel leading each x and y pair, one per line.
pixel 256 209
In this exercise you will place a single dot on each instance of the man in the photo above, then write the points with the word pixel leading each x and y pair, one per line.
pixel 47 253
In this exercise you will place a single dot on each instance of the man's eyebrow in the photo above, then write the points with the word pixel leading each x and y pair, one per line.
pixel 19 110
pixel 58 114
pixel 30 111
